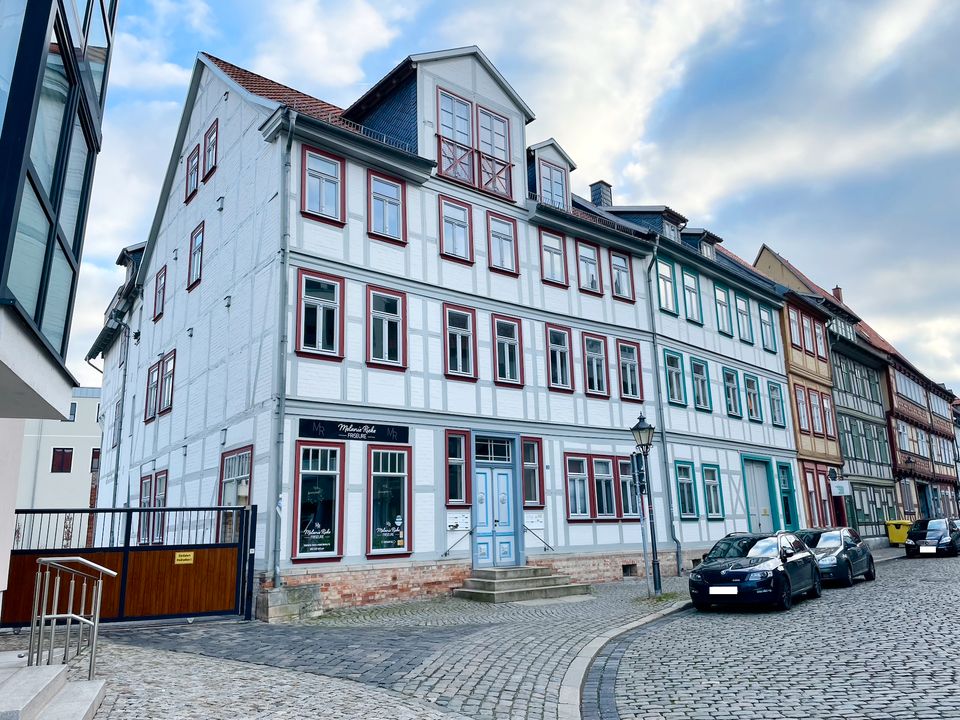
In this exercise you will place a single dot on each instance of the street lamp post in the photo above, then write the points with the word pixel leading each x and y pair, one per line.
pixel 643 436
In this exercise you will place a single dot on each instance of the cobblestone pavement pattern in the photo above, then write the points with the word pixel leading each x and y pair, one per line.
pixel 885 649
pixel 450 657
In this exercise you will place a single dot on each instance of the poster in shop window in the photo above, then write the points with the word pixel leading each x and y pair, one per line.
pixel 388 514
pixel 318 504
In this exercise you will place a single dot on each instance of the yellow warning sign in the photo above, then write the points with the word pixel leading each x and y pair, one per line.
pixel 183 558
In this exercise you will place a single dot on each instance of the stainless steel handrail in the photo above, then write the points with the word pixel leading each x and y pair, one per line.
pixel 47 614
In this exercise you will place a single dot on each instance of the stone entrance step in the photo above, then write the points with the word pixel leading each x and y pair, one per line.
pixel 42 691
pixel 499 585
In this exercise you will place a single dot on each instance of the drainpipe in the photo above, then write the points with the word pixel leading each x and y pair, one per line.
pixel 280 369
pixel 661 431
pixel 125 329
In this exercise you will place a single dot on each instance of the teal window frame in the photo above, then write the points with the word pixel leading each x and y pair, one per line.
pixel 703 479
pixel 666 377
pixel 693 384
pixel 677 464
pixel 736 377
pixel 772 348
pixel 718 288
pixel 684 274
pixel 673 284
pixel 785 470
pixel 771 386
pixel 737 297
pixel 759 418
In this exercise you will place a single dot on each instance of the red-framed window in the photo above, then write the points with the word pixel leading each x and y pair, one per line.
pixel 820 339
pixel 553 259
pixel 457 461
pixel 629 490
pixel 595 487
pixel 152 395
pixel 795 338
pixel 318 501
pixel 629 371
pixel 459 342
pixel 386 328
pixel 167 365
pixel 533 484
pixel 62 460
pixel 802 408
pixel 456 229
pixel 153 494
pixel 210 149
pixel 559 344
pixel 507 345
pixel 193 174
pixel 829 418
pixel 493 145
pixel 236 480
pixel 386 208
pixel 621 277
pixel 95 460
pixel 146 501
pixel 389 500
pixel 553 184
pixel 596 370
pixel 503 253
pixel 320 315
pixel 159 293
pixel 195 265
pixel 323 186
pixel 589 273
pixel 816 412
pixel 806 323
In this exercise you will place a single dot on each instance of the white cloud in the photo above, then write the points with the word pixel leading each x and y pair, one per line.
pixel 96 287
pixel 594 73
pixel 139 62
pixel 321 43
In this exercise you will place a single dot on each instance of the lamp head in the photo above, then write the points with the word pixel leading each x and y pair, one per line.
pixel 643 434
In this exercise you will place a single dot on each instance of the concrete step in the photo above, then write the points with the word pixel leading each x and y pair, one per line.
pixel 77 700
pixel 537 593
pixel 25 693
pixel 11 659
pixel 522 583
pixel 511 573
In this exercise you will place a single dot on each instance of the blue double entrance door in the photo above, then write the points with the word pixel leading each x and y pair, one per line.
pixel 497 519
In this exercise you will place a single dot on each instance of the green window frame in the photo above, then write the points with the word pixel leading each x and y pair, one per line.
pixel 737 299
pixel 768 327
pixel 686 490
pixel 731 381
pixel 672 305
pixel 754 381
pixel 678 373
pixel 720 513
pixel 776 391
pixel 720 291
pixel 787 491
pixel 693 313
pixel 695 378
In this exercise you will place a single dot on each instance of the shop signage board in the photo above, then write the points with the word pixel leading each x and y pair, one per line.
pixel 344 430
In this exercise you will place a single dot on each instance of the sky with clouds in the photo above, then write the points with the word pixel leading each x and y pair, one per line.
pixel 828 129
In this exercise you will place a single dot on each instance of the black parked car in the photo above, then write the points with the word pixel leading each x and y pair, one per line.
pixel 938 536
pixel 841 554
pixel 749 568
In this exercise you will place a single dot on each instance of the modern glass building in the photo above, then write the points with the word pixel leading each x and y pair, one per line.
pixel 54 58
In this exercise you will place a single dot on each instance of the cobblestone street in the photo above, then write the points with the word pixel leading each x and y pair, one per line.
pixel 885 649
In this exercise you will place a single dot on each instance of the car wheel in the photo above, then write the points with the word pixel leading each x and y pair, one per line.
pixel 817 589
pixel 785 601
pixel 848 578
pixel 871 573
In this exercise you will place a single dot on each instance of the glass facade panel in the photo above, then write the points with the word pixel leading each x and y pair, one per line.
pixel 29 248
pixel 98 48
pixel 73 184
pixel 59 287
pixel 11 24
pixel 49 121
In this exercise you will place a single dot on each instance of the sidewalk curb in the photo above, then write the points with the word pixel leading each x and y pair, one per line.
pixel 568 707
pixel 877 560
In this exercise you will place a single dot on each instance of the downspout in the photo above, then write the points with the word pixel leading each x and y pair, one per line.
pixel 661 431
pixel 125 329
pixel 280 369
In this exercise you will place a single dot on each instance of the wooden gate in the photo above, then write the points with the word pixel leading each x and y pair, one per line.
pixel 170 562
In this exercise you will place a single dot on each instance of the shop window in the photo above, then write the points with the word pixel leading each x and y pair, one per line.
pixel 318 500
pixel 389 489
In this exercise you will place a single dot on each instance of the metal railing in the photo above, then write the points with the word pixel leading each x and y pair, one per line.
pixel 46 610
pixel 466 534
pixel 474 167
pixel 546 545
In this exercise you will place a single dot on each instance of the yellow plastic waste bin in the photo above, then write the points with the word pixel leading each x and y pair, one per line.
pixel 897 531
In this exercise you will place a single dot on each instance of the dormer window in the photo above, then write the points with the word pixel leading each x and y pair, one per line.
pixel 456 152
pixel 494 141
pixel 485 166
pixel 671 232
pixel 553 185
pixel 708 250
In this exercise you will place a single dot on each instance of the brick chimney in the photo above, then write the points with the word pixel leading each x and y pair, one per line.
pixel 838 293
pixel 601 193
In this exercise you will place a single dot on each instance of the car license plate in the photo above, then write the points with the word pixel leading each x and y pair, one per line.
pixel 723 590
pixel 928 549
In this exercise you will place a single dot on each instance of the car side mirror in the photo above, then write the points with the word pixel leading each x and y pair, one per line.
pixel 786 553
pixel 703 558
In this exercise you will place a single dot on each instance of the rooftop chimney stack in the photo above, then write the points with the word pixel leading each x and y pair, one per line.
pixel 838 293
pixel 601 193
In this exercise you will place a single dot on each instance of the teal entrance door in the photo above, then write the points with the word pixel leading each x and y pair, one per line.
pixel 496 541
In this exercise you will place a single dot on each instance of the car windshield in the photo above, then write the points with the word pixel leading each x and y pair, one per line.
pixel 744 547
pixel 930 526
pixel 830 539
